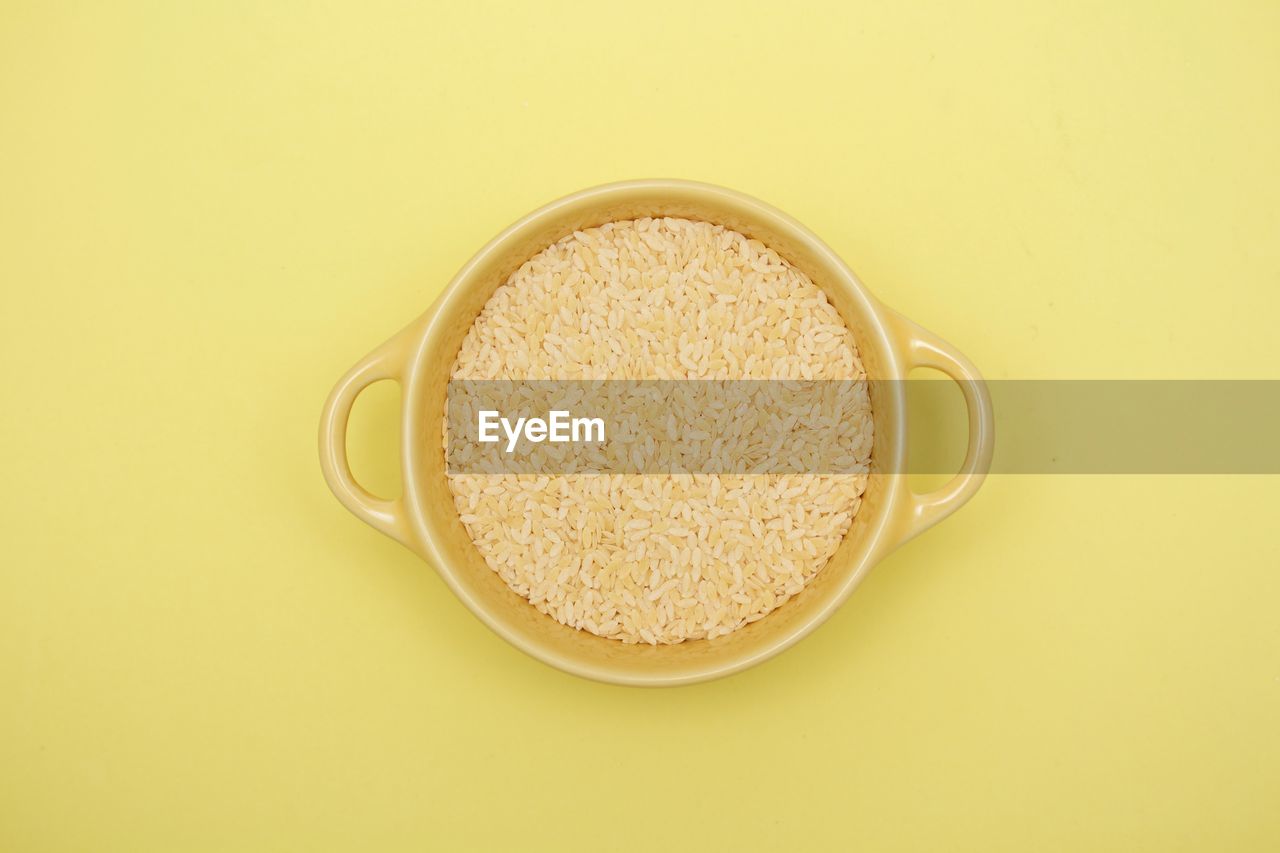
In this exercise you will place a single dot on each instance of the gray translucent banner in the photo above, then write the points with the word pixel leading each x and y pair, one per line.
pixel 827 427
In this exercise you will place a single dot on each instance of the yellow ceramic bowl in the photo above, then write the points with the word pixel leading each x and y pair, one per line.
pixel 424 518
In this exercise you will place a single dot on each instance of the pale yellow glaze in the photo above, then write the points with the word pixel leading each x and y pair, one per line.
pixel 424 518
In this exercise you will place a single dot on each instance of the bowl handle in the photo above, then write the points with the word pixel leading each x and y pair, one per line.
pixel 922 348
pixel 387 516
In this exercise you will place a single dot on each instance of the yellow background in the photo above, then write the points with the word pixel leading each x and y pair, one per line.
pixel 209 210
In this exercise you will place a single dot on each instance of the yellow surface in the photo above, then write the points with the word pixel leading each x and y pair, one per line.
pixel 208 211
